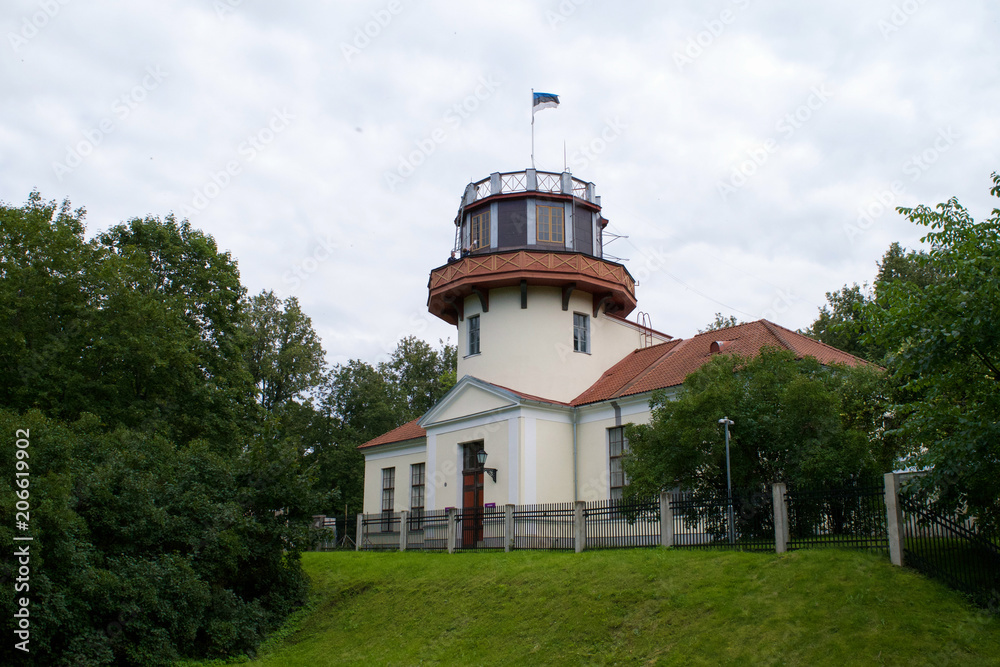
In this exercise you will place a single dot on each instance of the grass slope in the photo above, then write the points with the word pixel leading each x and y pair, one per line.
pixel 823 606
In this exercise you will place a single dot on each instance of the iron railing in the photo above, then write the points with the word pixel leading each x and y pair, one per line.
pixel 479 529
pixel 380 532
pixel 709 520
pixel 950 549
pixel 849 516
pixel 427 530
pixel 614 524
pixel 548 526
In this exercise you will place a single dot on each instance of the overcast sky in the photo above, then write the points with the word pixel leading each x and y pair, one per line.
pixel 752 152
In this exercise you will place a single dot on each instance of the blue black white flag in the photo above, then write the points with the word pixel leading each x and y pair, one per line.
pixel 543 101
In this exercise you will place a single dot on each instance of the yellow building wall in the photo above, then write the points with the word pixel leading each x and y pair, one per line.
pixel 448 462
pixel 594 482
pixel 531 349
pixel 373 480
pixel 554 461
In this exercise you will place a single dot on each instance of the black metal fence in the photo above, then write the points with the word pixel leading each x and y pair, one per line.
pixel 709 520
pixel 615 524
pixel 479 529
pixel 950 549
pixel 427 530
pixel 380 532
pixel 549 526
pixel 848 516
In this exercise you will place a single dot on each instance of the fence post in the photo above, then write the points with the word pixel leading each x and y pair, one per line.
pixel 579 526
pixel 508 527
pixel 360 531
pixel 894 519
pixel 403 529
pixel 452 514
pixel 778 490
pixel 666 520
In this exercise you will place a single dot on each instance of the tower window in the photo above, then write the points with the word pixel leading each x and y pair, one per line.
pixel 581 333
pixel 481 230
pixel 473 334
pixel 549 224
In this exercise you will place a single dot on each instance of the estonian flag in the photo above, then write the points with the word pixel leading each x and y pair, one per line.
pixel 543 101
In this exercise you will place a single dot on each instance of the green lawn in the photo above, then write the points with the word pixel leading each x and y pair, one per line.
pixel 640 606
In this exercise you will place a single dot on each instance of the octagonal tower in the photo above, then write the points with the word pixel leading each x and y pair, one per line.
pixel 538 308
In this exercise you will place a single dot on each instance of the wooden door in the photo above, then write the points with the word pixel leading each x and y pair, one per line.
pixel 472 508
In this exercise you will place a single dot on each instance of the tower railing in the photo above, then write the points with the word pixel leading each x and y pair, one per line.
pixel 529 180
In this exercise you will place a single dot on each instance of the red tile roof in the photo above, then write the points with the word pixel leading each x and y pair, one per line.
pixel 667 364
pixel 408 431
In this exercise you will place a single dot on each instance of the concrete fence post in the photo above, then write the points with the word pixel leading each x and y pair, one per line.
pixel 404 532
pixel 778 490
pixel 579 526
pixel 508 527
pixel 360 532
pixel 452 514
pixel 666 519
pixel 894 518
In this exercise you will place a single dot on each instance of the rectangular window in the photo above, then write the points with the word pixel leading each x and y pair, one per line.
pixel 417 474
pixel 581 333
pixel 388 497
pixel 549 224
pixel 474 334
pixel 481 230
pixel 617 446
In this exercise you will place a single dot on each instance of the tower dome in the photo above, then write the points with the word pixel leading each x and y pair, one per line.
pixel 528 286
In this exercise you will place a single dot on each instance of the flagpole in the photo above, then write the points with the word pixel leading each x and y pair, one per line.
pixel 532 128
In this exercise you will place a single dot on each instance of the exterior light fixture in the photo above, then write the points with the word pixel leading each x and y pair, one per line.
pixel 481 458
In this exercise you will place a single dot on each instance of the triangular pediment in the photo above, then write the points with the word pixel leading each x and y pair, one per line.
pixel 468 398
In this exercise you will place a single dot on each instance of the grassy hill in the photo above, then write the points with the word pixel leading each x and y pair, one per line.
pixel 823 606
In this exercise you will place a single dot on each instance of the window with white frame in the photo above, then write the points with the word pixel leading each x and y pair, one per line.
pixel 617 446
pixel 581 332
pixel 388 497
pixel 473 334
pixel 417 476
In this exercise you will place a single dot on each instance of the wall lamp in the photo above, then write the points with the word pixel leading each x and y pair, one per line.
pixel 481 458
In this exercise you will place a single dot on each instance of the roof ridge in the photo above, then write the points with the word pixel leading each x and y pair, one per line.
pixel 819 342
pixel 781 339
